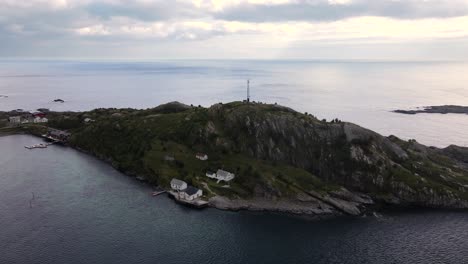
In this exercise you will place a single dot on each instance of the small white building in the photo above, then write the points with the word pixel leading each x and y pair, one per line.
pixel 178 185
pixel 211 174
pixel 40 120
pixel 192 193
pixel 88 120
pixel 14 119
pixel 201 156
pixel 221 175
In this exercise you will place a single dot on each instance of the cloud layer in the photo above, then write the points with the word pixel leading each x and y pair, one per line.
pixel 76 27
pixel 323 10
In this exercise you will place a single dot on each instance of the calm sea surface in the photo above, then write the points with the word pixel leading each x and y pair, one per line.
pixel 61 206
pixel 359 92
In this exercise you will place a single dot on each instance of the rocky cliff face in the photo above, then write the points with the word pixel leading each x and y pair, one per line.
pixel 385 169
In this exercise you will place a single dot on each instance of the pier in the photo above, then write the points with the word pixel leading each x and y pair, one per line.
pixel 156 193
pixel 39 146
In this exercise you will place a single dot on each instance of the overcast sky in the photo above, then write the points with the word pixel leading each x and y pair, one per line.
pixel 253 29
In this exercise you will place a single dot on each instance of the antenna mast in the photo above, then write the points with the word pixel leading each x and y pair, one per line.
pixel 248 91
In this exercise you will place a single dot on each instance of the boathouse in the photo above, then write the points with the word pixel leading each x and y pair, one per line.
pixel 178 185
pixel 192 193
pixel 58 135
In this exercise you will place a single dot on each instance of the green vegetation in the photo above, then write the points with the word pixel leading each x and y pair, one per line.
pixel 274 151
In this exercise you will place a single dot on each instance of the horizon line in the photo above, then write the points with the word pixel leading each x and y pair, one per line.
pixel 234 59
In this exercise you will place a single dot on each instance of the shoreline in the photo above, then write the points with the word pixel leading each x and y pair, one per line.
pixel 282 206
pixel 285 207
pixel 288 207
pixel 329 182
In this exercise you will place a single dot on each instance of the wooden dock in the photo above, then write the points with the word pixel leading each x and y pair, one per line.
pixel 39 146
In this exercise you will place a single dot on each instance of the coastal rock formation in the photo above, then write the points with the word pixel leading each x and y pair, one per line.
pixel 443 109
pixel 283 160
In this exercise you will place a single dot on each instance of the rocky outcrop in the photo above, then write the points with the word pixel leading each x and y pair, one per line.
pixel 310 207
pixel 172 107
pixel 369 166
pixel 457 153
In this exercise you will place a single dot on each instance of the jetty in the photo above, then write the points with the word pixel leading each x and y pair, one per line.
pixel 156 193
pixel 39 146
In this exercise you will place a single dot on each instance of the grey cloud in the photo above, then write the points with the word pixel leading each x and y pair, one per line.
pixel 162 10
pixel 322 10
pixel 48 23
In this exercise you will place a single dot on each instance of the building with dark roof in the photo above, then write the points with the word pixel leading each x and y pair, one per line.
pixel 192 193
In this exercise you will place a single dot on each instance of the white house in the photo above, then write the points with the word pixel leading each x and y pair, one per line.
pixel 220 175
pixel 14 119
pixel 201 156
pixel 178 185
pixel 88 120
pixel 224 175
pixel 192 193
pixel 40 120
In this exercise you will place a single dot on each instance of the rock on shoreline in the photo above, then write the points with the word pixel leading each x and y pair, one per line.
pixel 311 208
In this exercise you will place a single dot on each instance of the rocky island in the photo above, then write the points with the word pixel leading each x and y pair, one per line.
pixel 283 160
pixel 442 109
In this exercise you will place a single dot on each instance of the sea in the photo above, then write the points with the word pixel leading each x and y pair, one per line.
pixel 58 205
pixel 362 92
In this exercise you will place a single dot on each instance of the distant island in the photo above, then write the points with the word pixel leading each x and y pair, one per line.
pixel 442 109
pixel 255 156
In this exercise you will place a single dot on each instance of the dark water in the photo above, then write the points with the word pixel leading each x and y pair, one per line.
pixel 83 211
pixel 359 92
